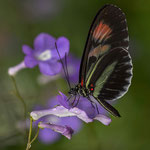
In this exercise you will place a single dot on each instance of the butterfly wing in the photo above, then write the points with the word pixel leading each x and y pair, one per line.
pixel 108 30
pixel 106 67
pixel 111 77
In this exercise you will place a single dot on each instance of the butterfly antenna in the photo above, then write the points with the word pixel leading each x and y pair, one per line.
pixel 62 66
pixel 66 65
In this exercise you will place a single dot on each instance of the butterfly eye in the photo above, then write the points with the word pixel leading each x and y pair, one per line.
pixel 92 89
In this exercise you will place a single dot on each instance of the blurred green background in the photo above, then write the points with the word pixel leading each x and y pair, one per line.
pixel 22 20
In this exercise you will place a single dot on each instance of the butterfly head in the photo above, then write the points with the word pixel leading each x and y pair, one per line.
pixel 78 89
pixel 73 91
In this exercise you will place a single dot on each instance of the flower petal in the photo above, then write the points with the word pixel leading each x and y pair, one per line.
pixel 86 105
pixel 63 46
pixel 12 71
pixel 103 119
pixel 81 114
pixel 61 111
pixel 44 41
pixel 73 122
pixel 64 130
pixel 63 100
pixel 27 50
pixel 50 68
pixel 48 136
pixel 30 62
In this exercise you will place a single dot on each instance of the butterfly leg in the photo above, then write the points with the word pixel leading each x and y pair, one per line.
pixel 74 101
pixel 96 108
pixel 69 98
pixel 77 101
pixel 94 105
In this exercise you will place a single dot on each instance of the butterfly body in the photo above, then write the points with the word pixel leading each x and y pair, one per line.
pixel 78 89
pixel 106 65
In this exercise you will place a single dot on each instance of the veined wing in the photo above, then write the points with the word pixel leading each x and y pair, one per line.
pixel 110 77
pixel 108 31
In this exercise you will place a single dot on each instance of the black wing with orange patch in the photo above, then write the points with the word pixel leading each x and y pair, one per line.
pixel 108 30
pixel 111 78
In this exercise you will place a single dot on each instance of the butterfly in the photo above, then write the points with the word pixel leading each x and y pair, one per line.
pixel 106 66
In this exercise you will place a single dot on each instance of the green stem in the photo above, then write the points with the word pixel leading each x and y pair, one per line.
pixel 25 112
pixel 19 96
pixel 35 136
pixel 29 136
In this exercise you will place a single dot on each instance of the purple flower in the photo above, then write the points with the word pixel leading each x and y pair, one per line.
pixel 64 130
pixel 84 111
pixel 89 108
pixel 44 55
pixel 73 65
pixel 52 125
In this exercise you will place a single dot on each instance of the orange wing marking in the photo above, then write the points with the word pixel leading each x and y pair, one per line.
pixel 99 50
pixel 102 31
pixel 97 30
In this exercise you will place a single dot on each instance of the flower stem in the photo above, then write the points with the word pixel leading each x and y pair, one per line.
pixel 19 96
pixel 36 135
pixel 29 136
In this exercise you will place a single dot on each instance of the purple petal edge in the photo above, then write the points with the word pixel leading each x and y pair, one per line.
pixel 62 99
pixel 44 41
pixel 51 68
pixel 64 130
pixel 63 46
pixel 30 62
pixel 61 111
pixel 27 50
pixel 103 119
